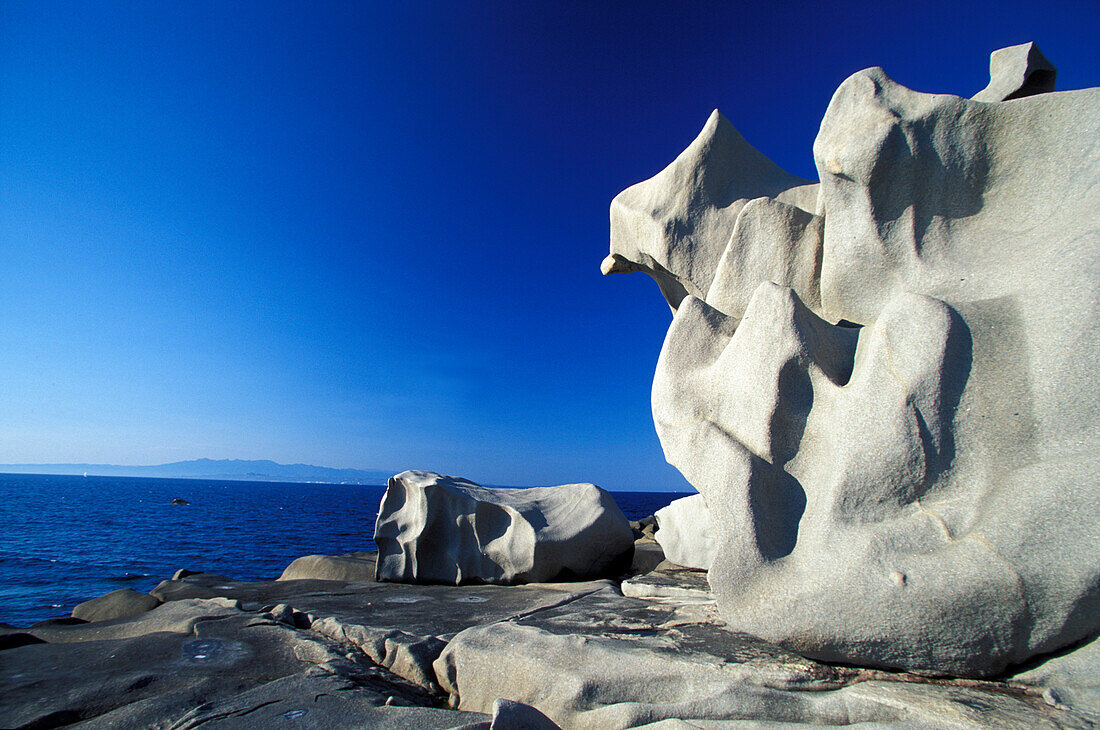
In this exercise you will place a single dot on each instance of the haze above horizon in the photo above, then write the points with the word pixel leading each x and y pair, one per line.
pixel 369 234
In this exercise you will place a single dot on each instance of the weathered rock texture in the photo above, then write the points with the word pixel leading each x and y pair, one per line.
pixel 221 653
pixel 686 534
pixel 438 529
pixel 208 663
pixel 607 661
pixel 918 487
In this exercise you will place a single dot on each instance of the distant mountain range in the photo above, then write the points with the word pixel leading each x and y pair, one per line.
pixel 262 470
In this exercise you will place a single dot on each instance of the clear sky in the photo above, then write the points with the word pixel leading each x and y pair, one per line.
pixel 369 235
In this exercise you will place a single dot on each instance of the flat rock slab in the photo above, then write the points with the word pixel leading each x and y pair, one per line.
pixel 310 700
pixel 391 655
pixel 425 610
pixel 669 581
pixel 211 585
pixel 203 662
pixel 610 661
pixel 401 627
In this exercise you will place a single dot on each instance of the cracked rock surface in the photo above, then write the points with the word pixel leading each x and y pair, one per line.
pixel 312 653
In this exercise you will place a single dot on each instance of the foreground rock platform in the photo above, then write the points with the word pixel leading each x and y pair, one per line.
pixel 203 662
pixel 315 653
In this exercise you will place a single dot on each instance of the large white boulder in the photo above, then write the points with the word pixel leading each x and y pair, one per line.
pixel 685 532
pixel 439 529
pixel 902 450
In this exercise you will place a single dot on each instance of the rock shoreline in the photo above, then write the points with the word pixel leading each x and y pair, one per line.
pixel 880 537
pixel 327 646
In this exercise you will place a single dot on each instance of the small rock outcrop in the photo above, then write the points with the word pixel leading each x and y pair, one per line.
pixel 686 534
pixel 438 529
pixel 123 603
pixel 1017 71
pixel 351 568
pixel 889 395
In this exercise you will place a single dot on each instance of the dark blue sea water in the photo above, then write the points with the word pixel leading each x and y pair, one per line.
pixel 65 539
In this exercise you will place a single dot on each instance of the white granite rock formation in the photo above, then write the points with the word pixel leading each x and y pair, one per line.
pixel 439 529
pixel 686 534
pixel 919 489
pixel 671 238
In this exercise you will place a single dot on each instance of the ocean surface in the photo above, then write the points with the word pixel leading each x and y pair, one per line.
pixel 66 539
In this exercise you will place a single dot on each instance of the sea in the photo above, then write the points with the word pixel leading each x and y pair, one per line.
pixel 66 539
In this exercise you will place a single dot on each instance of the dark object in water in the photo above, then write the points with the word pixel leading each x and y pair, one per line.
pixel 180 500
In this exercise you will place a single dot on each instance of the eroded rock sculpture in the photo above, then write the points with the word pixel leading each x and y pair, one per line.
pixel 439 529
pixel 891 398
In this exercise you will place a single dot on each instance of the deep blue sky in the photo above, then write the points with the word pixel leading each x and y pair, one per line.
pixel 369 235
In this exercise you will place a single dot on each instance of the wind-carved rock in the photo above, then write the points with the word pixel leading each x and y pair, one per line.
pixel 667 226
pixel 438 529
pixel 919 487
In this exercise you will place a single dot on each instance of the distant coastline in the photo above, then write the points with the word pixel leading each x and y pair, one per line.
pixel 261 470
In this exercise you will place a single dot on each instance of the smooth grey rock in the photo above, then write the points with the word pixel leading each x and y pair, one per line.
pixel 647 556
pixel 644 527
pixel 15 639
pixel 404 628
pixel 123 603
pixel 911 477
pixel 183 573
pixel 211 665
pixel 579 655
pixel 316 700
pixel 509 715
pixel 1017 71
pixel 175 617
pixel 355 567
pixel 686 534
pixel 439 529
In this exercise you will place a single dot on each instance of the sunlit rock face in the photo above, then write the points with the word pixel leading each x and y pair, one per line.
pixel 685 532
pixel 918 486
pixel 439 529
pixel 667 226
